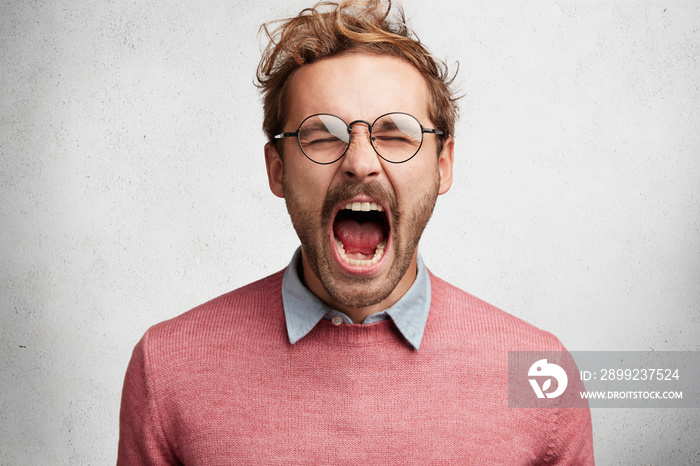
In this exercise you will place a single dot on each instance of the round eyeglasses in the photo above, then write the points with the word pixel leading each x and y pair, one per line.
pixel 324 138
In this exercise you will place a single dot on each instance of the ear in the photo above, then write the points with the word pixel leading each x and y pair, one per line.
pixel 445 162
pixel 273 163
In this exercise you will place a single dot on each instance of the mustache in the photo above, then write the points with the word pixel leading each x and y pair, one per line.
pixel 347 190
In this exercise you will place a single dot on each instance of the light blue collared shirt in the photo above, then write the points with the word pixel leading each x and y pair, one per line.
pixel 303 310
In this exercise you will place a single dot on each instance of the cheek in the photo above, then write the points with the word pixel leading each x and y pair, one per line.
pixel 413 179
pixel 306 184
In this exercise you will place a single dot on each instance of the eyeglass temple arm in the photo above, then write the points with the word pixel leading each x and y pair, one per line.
pixel 432 131
pixel 285 135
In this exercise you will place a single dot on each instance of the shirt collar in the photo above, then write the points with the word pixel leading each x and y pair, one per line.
pixel 303 310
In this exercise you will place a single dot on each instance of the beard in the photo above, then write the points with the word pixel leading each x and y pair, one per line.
pixel 313 226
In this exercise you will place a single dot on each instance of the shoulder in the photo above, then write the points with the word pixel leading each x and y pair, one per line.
pixel 225 318
pixel 484 324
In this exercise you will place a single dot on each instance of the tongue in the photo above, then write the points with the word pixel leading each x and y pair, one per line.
pixel 358 237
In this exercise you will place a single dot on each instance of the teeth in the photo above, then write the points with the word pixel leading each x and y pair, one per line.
pixel 381 247
pixel 363 206
pixel 378 253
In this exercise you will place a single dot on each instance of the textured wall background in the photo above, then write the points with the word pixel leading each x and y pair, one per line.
pixel 132 187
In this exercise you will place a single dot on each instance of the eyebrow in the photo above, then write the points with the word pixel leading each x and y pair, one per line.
pixel 317 126
pixel 388 124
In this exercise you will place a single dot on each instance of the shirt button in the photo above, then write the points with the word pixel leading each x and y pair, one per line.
pixel 337 320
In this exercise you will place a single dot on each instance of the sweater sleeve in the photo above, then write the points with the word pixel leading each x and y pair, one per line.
pixel 141 437
pixel 571 438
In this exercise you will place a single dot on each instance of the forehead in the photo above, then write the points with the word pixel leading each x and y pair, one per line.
pixel 357 86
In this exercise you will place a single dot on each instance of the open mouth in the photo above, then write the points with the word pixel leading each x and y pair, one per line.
pixel 361 233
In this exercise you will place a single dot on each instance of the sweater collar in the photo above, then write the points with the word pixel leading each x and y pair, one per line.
pixel 303 310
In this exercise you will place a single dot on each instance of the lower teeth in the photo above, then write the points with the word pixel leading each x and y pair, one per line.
pixel 378 253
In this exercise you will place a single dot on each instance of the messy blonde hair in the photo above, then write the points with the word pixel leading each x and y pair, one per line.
pixel 334 28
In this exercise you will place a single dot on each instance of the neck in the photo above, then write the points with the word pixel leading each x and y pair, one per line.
pixel 358 314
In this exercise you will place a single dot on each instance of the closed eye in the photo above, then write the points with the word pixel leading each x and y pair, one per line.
pixel 392 138
pixel 321 141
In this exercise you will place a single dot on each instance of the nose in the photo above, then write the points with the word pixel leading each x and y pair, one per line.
pixel 360 162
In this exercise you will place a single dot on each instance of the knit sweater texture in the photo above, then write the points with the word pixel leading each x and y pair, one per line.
pixel 221 384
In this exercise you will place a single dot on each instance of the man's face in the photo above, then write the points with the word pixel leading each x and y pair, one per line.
pixel 359 259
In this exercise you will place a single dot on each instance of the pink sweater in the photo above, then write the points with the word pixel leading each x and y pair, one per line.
pixel 221 384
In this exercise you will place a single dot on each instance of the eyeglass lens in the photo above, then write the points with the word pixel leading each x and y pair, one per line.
pixel 396 137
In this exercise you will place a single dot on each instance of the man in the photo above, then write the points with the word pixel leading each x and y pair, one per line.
pixel 355 353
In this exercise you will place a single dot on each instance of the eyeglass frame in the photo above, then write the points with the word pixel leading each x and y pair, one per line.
pixel 369 128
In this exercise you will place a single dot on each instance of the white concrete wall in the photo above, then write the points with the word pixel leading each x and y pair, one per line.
pixel 132 187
